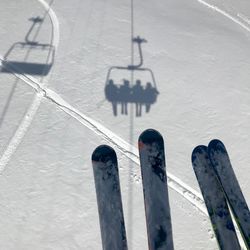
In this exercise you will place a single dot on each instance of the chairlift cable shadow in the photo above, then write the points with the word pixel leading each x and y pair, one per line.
pixel 138 67
pixel 136 93
pixel 130 92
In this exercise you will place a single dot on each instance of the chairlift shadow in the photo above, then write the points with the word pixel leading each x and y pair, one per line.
pixel 28 67
pixel 23 66
pixel 127 92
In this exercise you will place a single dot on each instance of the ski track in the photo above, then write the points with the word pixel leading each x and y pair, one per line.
pixel 31 112
pixel 226 14
pixel 125 148
pixel 244 18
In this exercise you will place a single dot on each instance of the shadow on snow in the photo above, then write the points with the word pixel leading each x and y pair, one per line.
pixel 128 92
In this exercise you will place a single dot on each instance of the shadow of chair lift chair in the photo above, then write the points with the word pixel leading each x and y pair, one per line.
pixel 28 67
pixel 133 69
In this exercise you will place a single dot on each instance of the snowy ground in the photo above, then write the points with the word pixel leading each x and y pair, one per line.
pixel 50 125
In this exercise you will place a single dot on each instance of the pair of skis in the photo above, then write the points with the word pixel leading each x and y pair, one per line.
pixel 221 190
pixel 156 201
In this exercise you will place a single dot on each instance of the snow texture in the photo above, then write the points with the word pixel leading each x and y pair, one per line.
pixel 51 123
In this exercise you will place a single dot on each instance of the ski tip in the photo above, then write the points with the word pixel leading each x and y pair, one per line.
pixel 103 153
pixel 216 145
pixel 201 149
pixel 149 136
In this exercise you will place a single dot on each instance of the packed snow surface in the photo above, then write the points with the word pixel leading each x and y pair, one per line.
pixel 53 112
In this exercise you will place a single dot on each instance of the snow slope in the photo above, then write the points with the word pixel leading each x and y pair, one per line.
pixel 50 125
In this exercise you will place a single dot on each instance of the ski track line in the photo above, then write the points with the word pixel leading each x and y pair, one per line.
pixel 244 18
pixel 226 14
pixel 125 148
pixel 247 28
pixel 187 192
pixel 31 112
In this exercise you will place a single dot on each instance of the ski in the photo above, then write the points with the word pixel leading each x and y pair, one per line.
pixel 223 168
pixel 109 200
pixel 215 200
pixel 154 181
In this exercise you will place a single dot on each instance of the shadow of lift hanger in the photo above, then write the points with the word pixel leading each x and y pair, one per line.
pixel 31 68
pixel 137 67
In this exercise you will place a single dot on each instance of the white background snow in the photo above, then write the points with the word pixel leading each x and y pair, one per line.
pixel 49 126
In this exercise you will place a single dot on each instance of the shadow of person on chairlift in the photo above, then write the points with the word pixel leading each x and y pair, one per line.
pixel 124 94
pixel 150 95
pixel 137 97
pixel 112 94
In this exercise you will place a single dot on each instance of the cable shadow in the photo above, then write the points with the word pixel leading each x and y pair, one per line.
pixel 138 93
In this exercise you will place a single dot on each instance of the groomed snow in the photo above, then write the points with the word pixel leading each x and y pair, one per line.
pixel 50 125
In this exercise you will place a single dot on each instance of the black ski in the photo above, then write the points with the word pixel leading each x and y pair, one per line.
pixel 223 168
pixel 109 200
pixel 215 200
pixel 154 180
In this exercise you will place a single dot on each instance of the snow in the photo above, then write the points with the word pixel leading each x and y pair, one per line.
pixel 50 125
